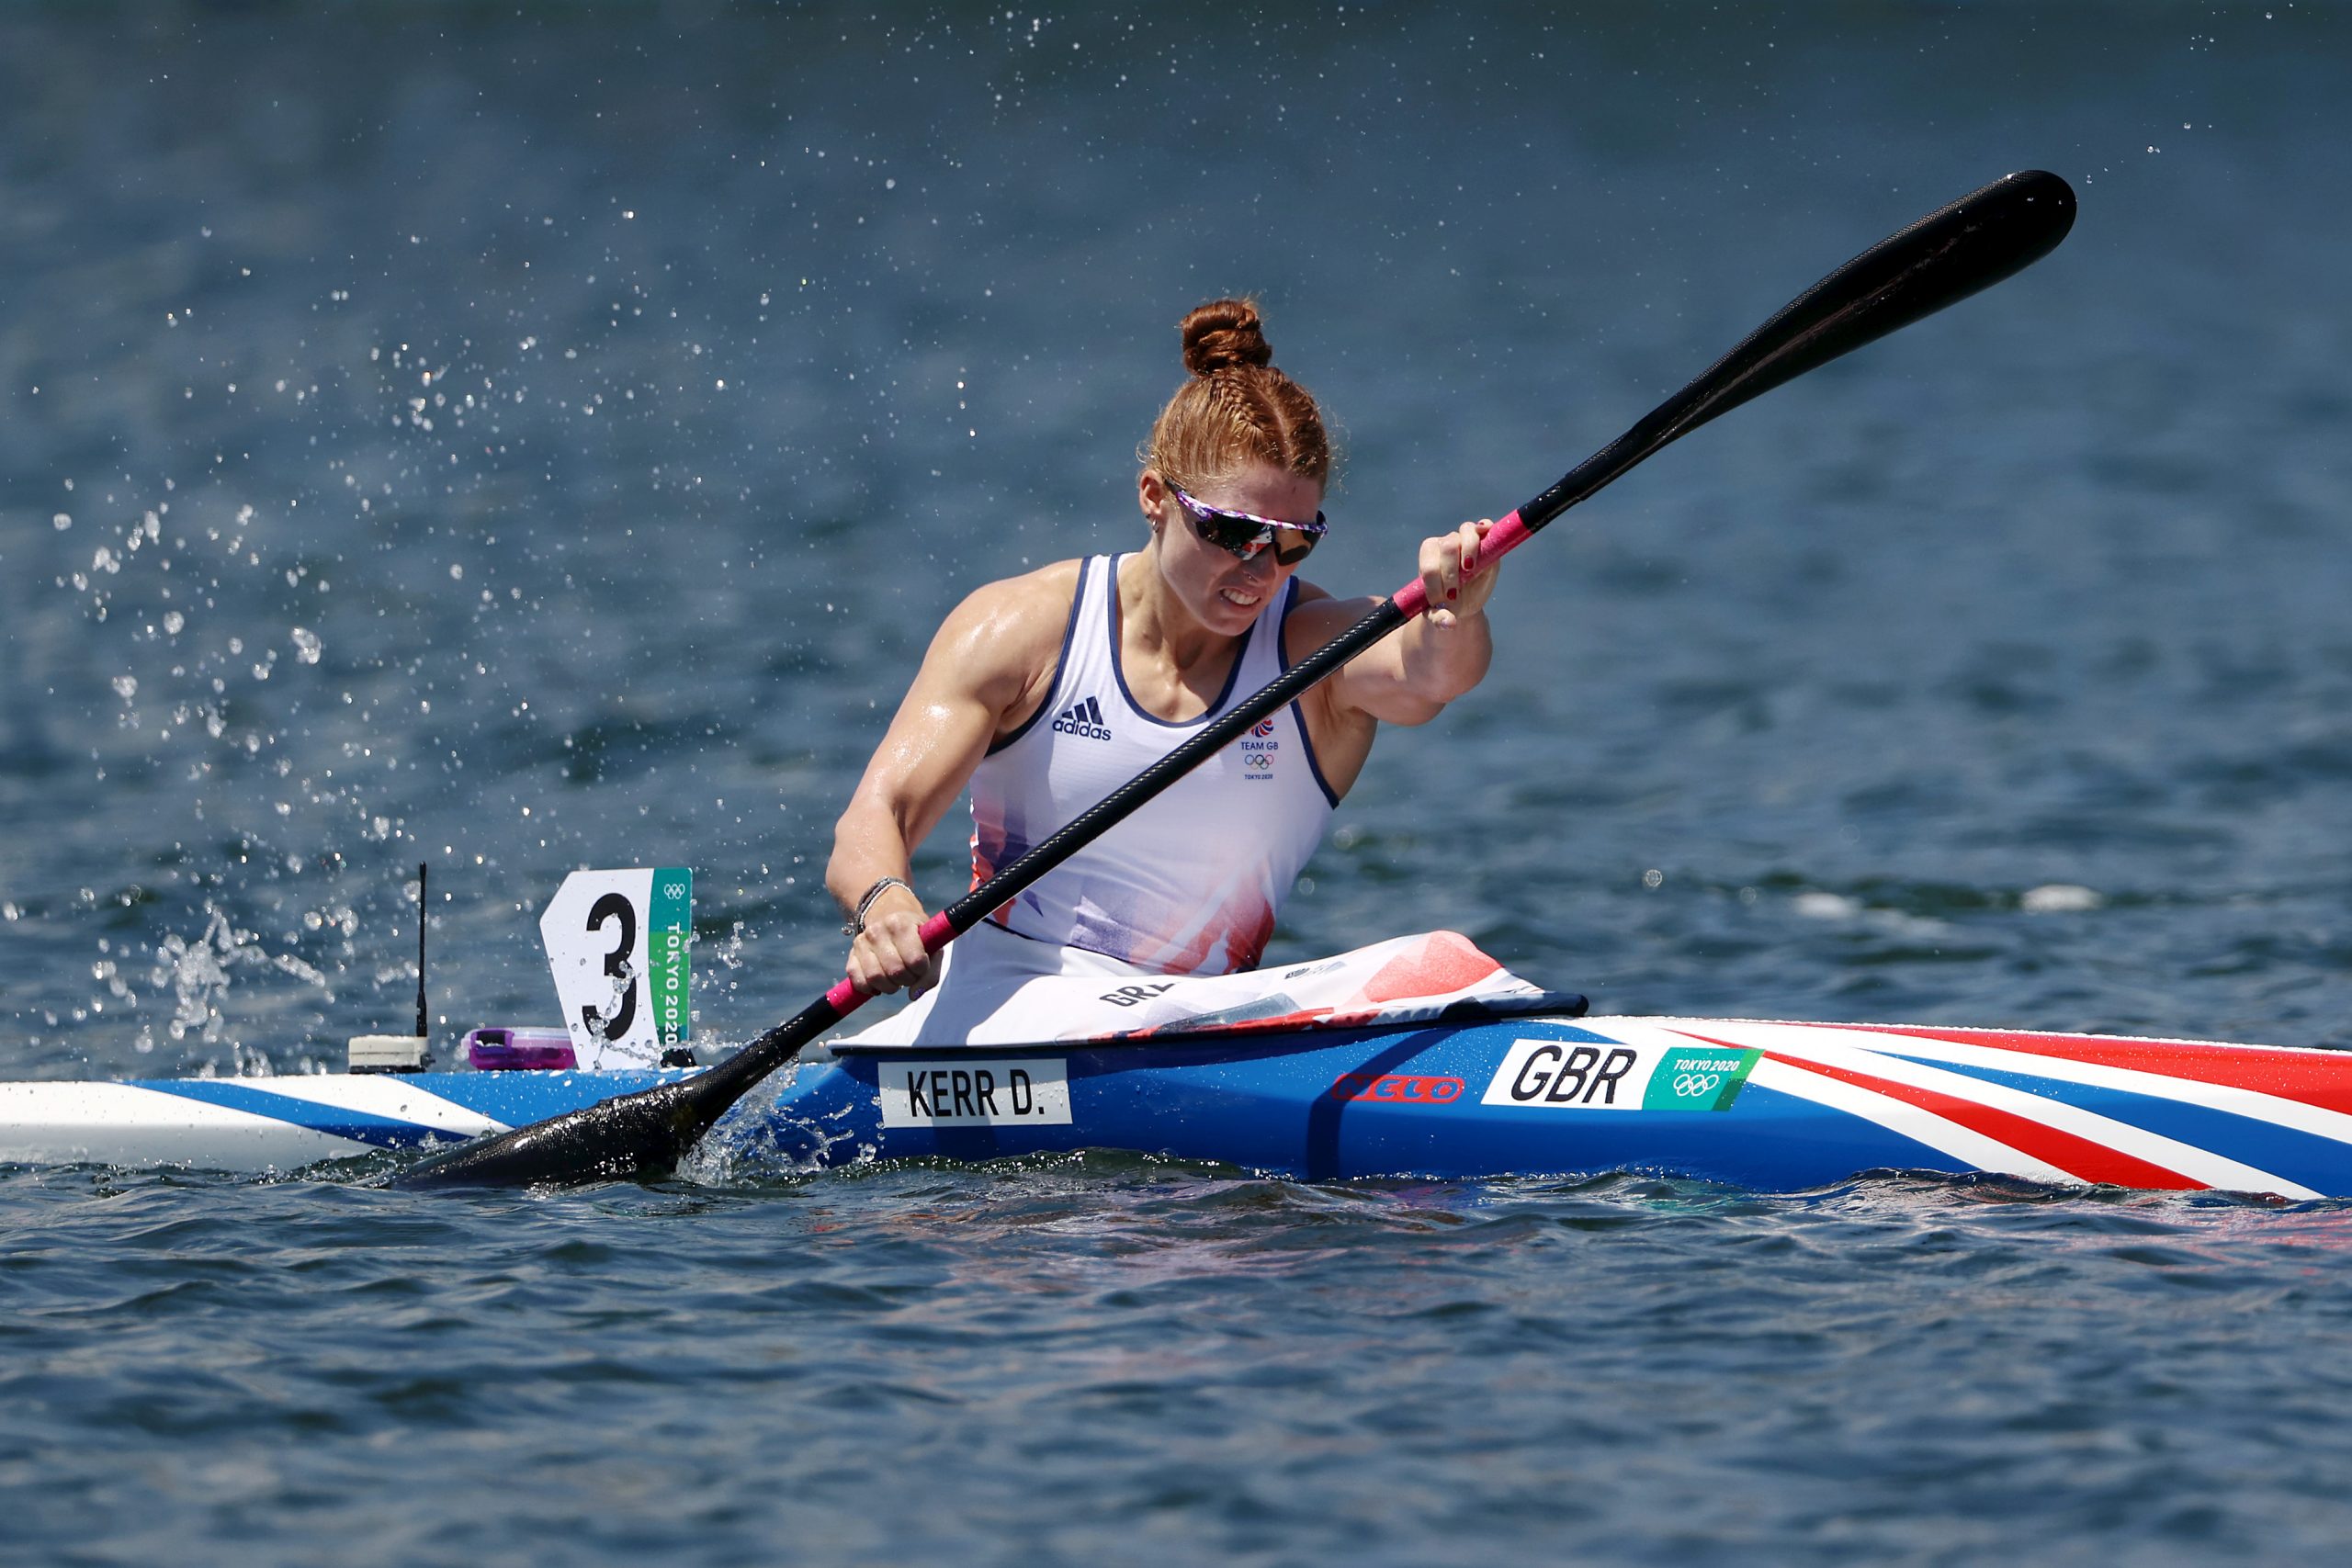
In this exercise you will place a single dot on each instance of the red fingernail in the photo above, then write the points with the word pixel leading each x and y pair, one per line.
pixel 1453 594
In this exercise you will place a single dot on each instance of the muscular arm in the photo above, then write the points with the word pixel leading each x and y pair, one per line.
pixel 1410 675
pixel 988 668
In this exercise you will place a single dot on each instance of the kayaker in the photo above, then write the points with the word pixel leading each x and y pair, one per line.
pixel 1043 692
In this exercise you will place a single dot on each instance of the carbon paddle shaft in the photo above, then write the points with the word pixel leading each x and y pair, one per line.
pixel 1976 242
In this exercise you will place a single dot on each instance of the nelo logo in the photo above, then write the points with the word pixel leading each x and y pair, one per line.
pixel 1398 1089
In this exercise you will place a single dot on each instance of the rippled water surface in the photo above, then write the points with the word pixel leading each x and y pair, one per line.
pixel 1106 1361
pixel 517 442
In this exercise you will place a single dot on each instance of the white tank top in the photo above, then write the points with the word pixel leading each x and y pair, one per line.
pixel 1189 885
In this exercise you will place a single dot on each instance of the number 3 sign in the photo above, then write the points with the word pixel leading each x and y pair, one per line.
pixel 617 941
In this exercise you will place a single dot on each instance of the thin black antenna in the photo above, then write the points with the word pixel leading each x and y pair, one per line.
pixel 421 1031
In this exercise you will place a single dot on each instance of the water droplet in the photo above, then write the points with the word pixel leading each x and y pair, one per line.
pixel 1825 906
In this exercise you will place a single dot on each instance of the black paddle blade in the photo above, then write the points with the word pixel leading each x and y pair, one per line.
pixel 632 1138
pixel 636 1136
pixel 1951 253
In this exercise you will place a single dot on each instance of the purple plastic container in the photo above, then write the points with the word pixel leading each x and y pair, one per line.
pixel 519 1050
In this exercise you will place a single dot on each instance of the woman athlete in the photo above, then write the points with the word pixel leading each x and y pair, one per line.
pixel 1043 693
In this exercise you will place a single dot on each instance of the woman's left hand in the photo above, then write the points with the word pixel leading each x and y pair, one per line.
pixel 1457 579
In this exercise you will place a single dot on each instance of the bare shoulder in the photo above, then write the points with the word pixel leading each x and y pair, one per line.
pixel 1318 617
pixel 1002 644
pixel 1018 614
pixel 1342 732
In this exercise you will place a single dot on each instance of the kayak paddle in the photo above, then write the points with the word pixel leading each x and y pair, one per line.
pixel 1976 242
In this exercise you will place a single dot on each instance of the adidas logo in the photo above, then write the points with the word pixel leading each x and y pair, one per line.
pixel 1082 718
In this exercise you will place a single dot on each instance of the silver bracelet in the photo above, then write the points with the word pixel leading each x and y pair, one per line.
pixel 856 925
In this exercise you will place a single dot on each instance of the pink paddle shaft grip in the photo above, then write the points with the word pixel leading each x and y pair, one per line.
pixel 846 999
pixel 1506 536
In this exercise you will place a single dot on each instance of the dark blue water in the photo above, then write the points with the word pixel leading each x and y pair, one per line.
pixel 525 441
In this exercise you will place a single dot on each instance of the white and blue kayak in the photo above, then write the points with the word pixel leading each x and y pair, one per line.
pixel 1523 1085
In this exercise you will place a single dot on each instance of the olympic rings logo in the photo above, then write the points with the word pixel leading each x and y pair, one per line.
pixel 1691 1086
pixel 1258 759
pixel 1396 1088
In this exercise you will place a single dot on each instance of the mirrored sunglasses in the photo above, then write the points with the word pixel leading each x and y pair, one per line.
pixel 1243 534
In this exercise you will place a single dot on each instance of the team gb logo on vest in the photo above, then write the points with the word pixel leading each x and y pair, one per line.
pixel 1257 753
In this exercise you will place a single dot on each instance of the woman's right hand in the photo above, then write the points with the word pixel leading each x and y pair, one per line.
pixel 889 955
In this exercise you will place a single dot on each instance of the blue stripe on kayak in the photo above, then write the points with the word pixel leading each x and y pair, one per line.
pixel 1771 1140
pixel 336 1121
pixel 513 1100
pixel 2319 1163
pixel 518 1099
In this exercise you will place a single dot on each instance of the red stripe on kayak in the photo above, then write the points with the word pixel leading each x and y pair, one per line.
pixel 2077 1156
pixel 2267 1069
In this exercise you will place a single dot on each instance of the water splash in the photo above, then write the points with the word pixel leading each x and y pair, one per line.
pixel 198 974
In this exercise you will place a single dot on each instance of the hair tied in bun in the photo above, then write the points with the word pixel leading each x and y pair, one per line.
pixel 1235 409
pixel 1222 334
